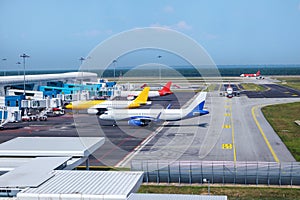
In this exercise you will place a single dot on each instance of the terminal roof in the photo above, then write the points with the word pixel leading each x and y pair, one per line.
pixel 51 146
pixel 33 173
pixel 86 185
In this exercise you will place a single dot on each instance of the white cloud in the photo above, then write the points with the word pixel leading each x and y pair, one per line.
pixel 180 26
pixel 168 9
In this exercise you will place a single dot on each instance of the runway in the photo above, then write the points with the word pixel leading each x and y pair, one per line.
pixel 235 130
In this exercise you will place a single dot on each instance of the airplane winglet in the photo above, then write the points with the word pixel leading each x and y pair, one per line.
pixel 169 106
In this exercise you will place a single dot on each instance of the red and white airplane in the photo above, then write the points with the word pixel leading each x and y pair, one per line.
pixel 162 92
pixel 251 75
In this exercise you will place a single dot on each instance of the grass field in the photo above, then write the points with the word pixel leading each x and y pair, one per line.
pixel 232 192
pixel 293 82
pixel 282 118
pixel 253 87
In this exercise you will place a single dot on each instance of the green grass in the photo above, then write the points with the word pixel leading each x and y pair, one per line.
pixel 236 192
pixel 282 118
pixel 253 87
pixel 293 82
pixel 210 88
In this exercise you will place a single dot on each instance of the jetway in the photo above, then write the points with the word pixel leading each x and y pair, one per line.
pixel 9 114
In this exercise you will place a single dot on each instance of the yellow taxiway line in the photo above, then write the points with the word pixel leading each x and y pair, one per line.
pixel 263 135
pixel 232 129
pixel 232 135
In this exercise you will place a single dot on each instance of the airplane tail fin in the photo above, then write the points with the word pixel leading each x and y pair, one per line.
pixel 166 89
pixel 258 73
pixel 197 105
pixel 143 96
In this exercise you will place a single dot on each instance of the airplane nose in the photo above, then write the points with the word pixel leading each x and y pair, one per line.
pixel 69 106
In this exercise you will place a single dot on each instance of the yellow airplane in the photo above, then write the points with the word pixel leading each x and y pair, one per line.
pixel 100 106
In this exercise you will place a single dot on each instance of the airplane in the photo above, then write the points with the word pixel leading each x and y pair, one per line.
pixel 230 92
pixel 257 74
pixel 144 117
pixel 99 106
pixel 162 92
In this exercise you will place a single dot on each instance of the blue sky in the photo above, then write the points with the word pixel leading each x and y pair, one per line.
pixel 56 33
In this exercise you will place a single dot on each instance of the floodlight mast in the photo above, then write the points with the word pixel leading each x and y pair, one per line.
pixel 114 62
pixel 24 56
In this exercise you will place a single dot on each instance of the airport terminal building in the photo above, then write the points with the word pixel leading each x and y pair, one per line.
pixel 33 81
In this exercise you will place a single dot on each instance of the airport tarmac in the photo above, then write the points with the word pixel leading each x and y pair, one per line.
pixel 228 133
pixel 274 91
pixel 235 130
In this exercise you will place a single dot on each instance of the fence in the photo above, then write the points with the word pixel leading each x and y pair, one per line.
pixel 224 172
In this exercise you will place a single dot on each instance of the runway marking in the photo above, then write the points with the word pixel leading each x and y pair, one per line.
pixel 295 95
pixel 226 126
pixel 263 135
pixel 227 114
pixel 287 92
pixel 139 147
pixel 227 106
pixel 226 146
pixel 268 88
pixel 232 135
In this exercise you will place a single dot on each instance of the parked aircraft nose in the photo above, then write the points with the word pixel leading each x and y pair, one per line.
pixel 69 106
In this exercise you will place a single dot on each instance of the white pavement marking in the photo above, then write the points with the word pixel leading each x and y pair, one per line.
pixel 138 148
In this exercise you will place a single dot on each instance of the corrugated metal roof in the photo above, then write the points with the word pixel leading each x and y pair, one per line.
pixel 33 173
pixel 51 146
pixel 139 196
pixel 83 184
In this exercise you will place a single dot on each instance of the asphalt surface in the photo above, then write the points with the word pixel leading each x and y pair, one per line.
pixel 274 91
pixel 228 133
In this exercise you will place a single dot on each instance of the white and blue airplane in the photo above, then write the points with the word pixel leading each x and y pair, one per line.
pixel 143 117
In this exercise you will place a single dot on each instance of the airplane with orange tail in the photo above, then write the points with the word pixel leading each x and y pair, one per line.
pixel 100 106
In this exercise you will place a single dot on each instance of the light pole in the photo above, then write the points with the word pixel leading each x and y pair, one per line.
pixel 18 63
pixel 207 181
pixel 24 56
pixel 114 62
pixel 159 72
pixel 81 60
pixel 4 73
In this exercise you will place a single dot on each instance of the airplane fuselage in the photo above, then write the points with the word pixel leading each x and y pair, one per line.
pixel 136 93
pixel 165 114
